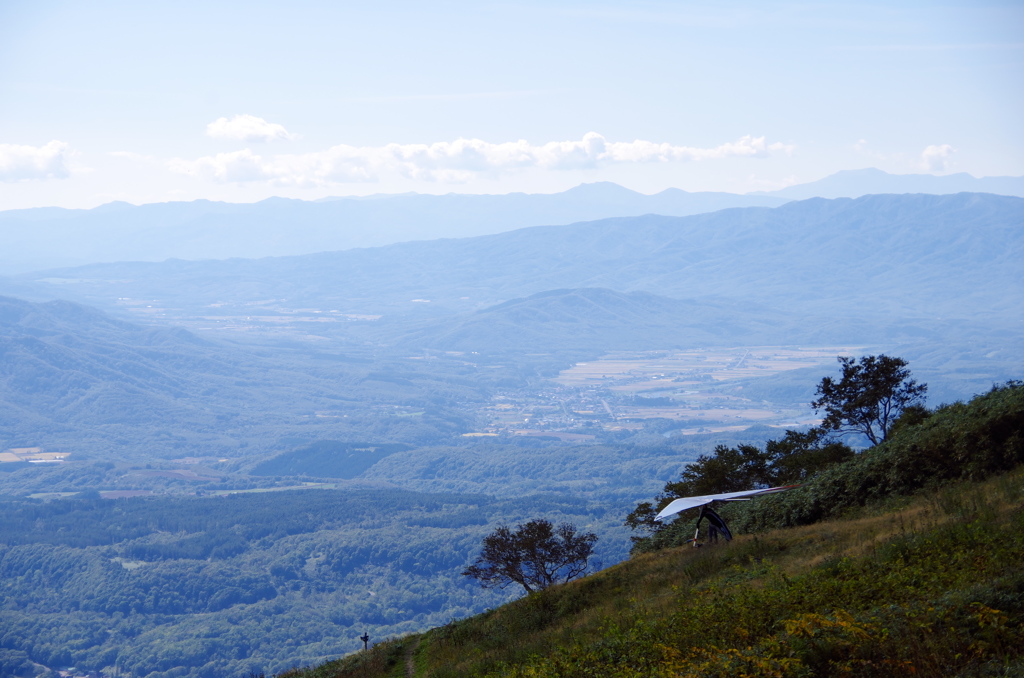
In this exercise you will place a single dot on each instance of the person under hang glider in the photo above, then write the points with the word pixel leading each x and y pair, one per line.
pixel 716 525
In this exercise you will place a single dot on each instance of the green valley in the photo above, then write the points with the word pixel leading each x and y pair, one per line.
pixel 223 467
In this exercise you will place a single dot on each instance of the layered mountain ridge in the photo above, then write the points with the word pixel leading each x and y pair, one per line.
pixel 882 255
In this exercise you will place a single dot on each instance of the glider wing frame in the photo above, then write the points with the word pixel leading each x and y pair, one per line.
pixel 684 503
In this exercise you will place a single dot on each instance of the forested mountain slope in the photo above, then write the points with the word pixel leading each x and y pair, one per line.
pixel 213 587
pixel 600 319
pixel 75 379
pixel 597 319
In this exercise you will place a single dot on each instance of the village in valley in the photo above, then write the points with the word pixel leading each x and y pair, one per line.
pixel 699 391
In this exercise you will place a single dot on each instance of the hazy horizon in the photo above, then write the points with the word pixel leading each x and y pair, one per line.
pixel 238 103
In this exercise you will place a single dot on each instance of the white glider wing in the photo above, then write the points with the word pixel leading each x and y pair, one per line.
pixel 693 502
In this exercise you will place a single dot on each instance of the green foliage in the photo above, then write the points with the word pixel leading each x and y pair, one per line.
pixel 200 523
pixel 732 469
pixel 328 459
pixel 968 441
pixel 536 555
pixel 958 441
pixel 869 397
pixel 211 587
pixel 15 663
pixel 797 455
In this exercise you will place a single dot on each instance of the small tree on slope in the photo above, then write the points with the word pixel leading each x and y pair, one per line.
pixel 535 556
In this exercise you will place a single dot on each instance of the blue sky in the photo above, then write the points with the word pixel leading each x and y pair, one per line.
pixel 239 101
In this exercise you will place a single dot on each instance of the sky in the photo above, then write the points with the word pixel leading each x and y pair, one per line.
pixel 239 101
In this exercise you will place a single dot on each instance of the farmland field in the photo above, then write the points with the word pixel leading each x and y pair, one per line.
pixel 34 454
pixel 664 370
pixel 702 389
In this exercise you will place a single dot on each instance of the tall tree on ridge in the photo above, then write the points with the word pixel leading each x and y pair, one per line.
pixel 869 396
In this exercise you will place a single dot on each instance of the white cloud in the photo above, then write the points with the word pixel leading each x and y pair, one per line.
pixel 646 151
pixel 456 161
pixel 232 167
pixel 937 158
pixel 21 163
pixel 248 128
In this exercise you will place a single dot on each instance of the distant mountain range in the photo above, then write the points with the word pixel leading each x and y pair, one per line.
pixel 882 256
pixel 941 273
pixel 855 183
pixel 937 279
pixel 44 238
pixel 36 239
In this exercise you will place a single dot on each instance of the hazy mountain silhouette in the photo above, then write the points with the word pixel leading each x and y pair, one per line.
pixel 894 256
pixel 35 239
pixel 46 237
pixel 856 183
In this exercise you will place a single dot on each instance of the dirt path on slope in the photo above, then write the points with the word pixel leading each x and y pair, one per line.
pixel 410 664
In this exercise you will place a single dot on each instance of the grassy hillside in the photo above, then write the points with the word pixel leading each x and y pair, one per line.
pixel 928 584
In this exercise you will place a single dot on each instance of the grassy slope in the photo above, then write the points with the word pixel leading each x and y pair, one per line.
pixel 931 584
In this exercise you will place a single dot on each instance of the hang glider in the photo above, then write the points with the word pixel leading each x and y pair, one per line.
pixel 716 526
pixel 705 499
